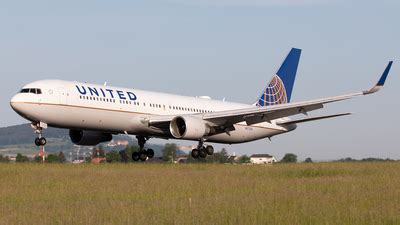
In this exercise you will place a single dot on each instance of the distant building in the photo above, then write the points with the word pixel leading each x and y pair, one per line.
pixel 98 160
pixel 78 161
pixel 262 159
pixel 11 157
pixel 233 158
pixel 181 159
pixel 114 143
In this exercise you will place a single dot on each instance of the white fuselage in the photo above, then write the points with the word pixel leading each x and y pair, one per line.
pixel 83 106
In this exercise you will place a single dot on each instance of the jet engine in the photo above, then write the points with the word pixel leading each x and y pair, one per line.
pixel 88 138
pixel 188 127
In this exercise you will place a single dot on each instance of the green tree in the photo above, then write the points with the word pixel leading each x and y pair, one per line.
pixel 244 159
pixel 169 152
pixel 88 159
pixel 98 152
pixel 112 156
pixel 222 156
pixel 128 151
pixel 38 159
pixel 289 158
pixel 124 157
pixel 4 159
pixel 101 151
pixel 218 157
pixel 21 158
pixel 308 160
pixel 52 158
pixel 61 157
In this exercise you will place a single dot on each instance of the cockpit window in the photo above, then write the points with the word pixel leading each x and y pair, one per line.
pixel 31 90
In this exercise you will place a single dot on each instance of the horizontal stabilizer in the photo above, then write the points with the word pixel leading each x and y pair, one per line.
pixel 312 119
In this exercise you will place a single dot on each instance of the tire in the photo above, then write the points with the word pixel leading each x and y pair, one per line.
pixel 37 142
pixel 42 141
pixel 195 153
pixel 142 156
pixel 135 156
pixel 150 153
pixel 202 153
pixel 209 149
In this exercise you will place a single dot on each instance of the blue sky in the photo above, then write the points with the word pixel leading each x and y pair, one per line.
pixel 224 49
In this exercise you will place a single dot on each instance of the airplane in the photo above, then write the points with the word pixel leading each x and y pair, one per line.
pixel 93 113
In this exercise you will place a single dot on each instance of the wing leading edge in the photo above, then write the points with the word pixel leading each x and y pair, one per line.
pixel 255 115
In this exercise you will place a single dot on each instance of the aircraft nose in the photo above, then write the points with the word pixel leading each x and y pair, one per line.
pixel 14 102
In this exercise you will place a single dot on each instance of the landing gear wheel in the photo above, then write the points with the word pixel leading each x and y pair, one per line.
pixel 135 156
pixel 210 150
pixel 142 156
pixel 150 153
pixel 143 153
pixel 202 153
pixel 42 141
pixel 37 142
pixel 195 153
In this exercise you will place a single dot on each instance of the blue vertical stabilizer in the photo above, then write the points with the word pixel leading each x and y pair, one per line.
pixel 279 89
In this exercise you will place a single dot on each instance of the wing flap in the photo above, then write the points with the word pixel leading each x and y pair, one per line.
pixel 312 119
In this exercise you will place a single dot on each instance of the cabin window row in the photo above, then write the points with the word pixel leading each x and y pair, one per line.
pixel 179 108
pixel 108 100
pixel 97 99
pixel 189 109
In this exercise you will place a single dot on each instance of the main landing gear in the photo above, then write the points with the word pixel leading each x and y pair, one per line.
pixel 143 153
pixel 202 151
pixel 38 127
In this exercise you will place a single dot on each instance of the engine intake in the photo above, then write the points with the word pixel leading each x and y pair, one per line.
pixel 188 127
pixel 88 138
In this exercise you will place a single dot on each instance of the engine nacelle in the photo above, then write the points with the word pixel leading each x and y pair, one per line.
pixel 188 127
pixel 88 138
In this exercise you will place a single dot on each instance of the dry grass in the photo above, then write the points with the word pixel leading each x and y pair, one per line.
pixel 322 193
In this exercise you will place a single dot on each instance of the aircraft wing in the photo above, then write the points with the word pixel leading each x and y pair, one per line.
pixel 256 115
pixel 253 115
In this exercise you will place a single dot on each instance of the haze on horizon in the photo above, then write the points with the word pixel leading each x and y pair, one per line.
pixel 224 49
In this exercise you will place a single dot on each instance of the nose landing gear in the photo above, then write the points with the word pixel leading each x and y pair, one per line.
pixel 40 141
pixel 38 127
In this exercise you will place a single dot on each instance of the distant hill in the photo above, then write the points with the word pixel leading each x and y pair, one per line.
pixel 20 138
pixel 24 134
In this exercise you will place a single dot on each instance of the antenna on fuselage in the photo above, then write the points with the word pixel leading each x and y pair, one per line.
pixel 105 83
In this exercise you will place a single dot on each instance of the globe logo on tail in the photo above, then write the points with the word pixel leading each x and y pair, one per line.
pixel 274 94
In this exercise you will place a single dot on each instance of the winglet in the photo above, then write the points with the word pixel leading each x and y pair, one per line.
pixel 381 81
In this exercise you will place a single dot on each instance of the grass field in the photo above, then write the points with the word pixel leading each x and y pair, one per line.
pixel 320 193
